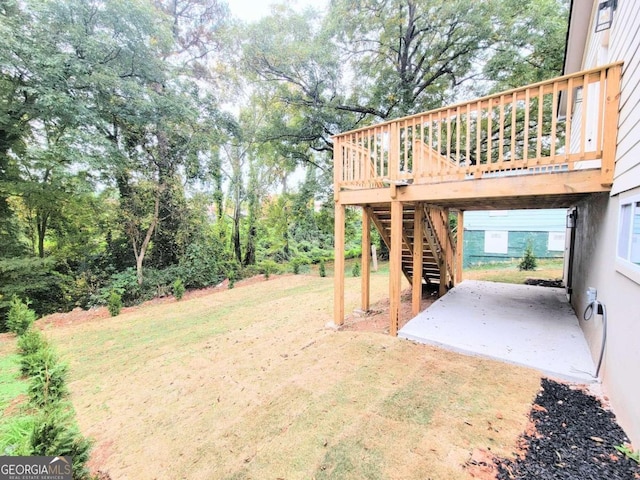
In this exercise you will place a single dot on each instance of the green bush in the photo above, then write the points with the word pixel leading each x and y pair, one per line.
pixel 125 284
pixel 298 262
pixel 178 288
pixel 20 316
pixel 355 270
pixel 114 303
pixel 322 269
pixel 47 380
pixel 353 252
pixel 46 282
pixel 56 433
pixel 268 267
pixel 33 363
pixel 528 261
pixel 31 342
pixel 204 263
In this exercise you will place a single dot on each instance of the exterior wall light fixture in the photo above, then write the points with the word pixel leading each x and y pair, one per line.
pixel 604 18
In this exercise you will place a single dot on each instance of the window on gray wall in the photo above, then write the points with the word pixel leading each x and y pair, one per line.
pixel 629 231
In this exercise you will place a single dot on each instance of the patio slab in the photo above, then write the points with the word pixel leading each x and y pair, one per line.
pixel 520 324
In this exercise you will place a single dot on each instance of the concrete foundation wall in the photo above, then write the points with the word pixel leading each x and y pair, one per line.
pixel 594 266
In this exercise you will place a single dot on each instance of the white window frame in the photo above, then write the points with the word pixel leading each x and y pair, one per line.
pixel 628 238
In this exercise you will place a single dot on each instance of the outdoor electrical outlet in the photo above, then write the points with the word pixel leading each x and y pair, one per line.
pixel 592 295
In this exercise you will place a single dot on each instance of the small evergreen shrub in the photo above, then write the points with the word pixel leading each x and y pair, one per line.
pixel 322 270
pixel 268 267
pixel 178 288
pixel 355 270
pixel 33 363
pixel 56 433
pixel 114 303
pixel 48 380
pixel 528 261
pixel 20 316
pixel 30 342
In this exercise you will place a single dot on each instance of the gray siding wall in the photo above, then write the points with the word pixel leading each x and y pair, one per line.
pixel 594 267
pixel 597 228
pixel 625 45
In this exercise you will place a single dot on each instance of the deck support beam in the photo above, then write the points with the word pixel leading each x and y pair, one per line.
pixel 366 260
pixel 459 246
pixel 418 248
pixel 338 273
pixel 395 267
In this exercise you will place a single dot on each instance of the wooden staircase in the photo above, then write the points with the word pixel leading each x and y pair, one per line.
pixel 438 242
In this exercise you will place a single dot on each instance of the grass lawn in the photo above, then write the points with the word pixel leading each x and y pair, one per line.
pixel 250 383
pixel 507 272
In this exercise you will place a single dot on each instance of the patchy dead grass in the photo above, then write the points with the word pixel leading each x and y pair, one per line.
pixel 249 383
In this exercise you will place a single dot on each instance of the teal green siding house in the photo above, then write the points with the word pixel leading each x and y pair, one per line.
pixel 501 235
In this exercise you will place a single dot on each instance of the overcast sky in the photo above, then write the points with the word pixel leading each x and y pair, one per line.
pixel 252 10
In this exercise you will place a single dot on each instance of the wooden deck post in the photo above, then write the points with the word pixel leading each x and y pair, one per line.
pixel 395 267
pixel 418 247
pixel 366 259
pixel 459 246
pixel 610 133
pixel 338 271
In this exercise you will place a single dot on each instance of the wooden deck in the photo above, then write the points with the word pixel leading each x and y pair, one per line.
pixel 546 145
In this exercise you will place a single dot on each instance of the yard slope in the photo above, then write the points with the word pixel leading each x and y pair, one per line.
pixel 249 383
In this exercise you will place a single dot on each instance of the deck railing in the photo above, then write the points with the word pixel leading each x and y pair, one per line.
pixel 561 124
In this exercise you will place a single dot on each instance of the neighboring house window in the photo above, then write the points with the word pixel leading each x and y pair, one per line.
pixel 496 242
pixel 628 249
pixel 556 242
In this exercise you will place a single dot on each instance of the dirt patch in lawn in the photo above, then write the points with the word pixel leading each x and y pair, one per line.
pixel 249 383
pixel 377 318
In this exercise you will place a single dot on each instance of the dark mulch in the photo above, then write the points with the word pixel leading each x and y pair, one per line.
pixel 574 438
pixel 541 282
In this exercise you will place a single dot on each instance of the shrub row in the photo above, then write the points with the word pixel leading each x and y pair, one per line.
pixel 53 430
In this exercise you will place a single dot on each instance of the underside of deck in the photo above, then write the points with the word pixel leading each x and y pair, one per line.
pixel 415 177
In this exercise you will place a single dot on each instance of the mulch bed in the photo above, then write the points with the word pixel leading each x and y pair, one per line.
pixel 573 437
pixel 541 282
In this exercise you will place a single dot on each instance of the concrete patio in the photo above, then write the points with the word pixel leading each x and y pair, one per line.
pixel 520 324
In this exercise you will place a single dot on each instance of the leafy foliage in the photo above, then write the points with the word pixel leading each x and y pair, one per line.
pixel 20 316
pixel 322 270
pixel 355 270
pixel 114 303
pixel 178 288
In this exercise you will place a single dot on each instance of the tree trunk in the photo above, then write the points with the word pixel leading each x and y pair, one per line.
pixel 140 253
pixel 237 249
pixel 41 225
